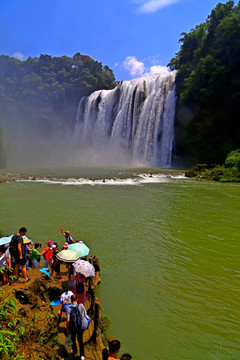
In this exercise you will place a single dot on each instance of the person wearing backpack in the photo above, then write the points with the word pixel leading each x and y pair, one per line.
pixel 75 314
pixel 68 238
pixel 17 251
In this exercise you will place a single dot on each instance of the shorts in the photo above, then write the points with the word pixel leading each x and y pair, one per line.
pixel 35 264
pixel 56 267
pixel 19 261
pixel 47 263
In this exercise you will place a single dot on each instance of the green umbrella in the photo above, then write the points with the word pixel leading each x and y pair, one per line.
pixel 67 256
pixel 80 248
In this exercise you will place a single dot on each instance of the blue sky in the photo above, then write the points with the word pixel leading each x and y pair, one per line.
pixel 132 37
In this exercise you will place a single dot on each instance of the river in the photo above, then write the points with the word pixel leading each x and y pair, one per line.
pixel 169 255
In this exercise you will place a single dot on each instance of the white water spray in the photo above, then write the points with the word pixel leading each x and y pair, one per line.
pixel 131 125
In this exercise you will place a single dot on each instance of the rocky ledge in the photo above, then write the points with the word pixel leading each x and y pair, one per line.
pixel 29 328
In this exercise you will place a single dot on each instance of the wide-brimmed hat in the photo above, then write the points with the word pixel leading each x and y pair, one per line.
pixel 65 245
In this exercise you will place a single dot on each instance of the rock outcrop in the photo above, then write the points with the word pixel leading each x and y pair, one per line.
pixel 33 323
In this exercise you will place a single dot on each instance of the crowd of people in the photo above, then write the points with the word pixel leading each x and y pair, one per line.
pixel 19 255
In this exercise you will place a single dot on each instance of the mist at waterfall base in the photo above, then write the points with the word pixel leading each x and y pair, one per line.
pixel 129 126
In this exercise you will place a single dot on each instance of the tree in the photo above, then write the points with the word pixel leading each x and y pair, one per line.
pixel 207 86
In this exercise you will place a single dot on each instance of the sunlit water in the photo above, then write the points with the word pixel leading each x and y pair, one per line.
pixel 169 254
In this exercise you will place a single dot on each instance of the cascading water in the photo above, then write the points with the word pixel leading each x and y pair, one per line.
pixel 131 125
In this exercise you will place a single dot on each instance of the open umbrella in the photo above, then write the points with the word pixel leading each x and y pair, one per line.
pixel 67 256
pixel 84 267
pixel 5 240
pixel 80 248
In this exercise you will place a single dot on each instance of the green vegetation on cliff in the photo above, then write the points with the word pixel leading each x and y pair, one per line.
pixel 207 86
pixel 45 91
pixel 228 172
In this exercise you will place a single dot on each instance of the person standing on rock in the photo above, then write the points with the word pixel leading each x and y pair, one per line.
pixel 35 256
pixel 68 238
pixel 48 255
pixel 3 265
pixel 18 252
pixel 66 300
pixel 75 314
pixel 79 287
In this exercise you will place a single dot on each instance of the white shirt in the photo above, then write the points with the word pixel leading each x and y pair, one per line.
pixel 66 297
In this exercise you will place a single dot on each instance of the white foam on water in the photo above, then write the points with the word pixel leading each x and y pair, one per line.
pixel 135 180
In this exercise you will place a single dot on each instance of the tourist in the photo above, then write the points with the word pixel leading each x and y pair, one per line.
pixel 126 357
pixel 68 238
pixel 3 265
pixel 71 273
pixel 48 255
pixel 17 250
pixel 28 252
pixel 35 256
pixel 56 262
pixel 79 288
pixel 66 300
pixel 73 325
pixel 113 349
pixel 65 246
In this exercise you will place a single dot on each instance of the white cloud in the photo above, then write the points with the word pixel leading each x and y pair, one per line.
pixel 158 69
pixel 138 68
pixel 18 56
pixel 151 6
pixel 135 67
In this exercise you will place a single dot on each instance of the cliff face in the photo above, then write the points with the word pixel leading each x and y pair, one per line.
pixel 30 328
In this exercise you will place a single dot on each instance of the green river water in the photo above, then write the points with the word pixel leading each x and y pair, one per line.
pixel 169 255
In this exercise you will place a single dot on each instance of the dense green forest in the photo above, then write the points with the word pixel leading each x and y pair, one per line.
pixel 42 94
pixel 51 80
pixel 208 87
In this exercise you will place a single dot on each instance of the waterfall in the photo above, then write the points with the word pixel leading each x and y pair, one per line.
pixel 131 125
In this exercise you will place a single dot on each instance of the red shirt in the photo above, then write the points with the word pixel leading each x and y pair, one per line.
pixel 48 253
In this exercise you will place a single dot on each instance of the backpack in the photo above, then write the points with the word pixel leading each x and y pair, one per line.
pixel 75 319
pixel 13 246
pixel 79 288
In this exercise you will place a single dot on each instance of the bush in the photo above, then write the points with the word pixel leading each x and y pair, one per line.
pixel 233 159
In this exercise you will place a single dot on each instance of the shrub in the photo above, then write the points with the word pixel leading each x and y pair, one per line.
pixel 233 159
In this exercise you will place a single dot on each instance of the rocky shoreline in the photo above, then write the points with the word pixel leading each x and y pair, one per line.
pixel 32 326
